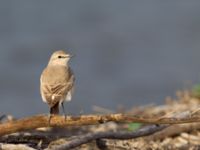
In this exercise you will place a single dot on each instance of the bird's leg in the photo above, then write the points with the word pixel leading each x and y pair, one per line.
pixel 50 115
pixel 49 118
pixel 63 108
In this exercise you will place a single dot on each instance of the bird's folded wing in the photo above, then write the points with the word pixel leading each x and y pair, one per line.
pixel 59 89
pixel 54 93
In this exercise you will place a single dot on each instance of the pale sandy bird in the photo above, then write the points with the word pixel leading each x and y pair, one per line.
pixel 57 81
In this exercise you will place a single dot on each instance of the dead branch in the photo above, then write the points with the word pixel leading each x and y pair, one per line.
pixel 148 130
pixel 28 138
pixel 59 121
pixel 174 130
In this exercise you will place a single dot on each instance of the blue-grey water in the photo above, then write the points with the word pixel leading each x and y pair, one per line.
pixel 128 53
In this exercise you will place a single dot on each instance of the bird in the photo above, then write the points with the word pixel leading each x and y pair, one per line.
pixel 57 82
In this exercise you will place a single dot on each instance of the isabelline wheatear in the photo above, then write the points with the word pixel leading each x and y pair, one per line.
pixel 57 82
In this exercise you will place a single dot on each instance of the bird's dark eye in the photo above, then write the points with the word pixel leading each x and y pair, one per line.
pixel 59 56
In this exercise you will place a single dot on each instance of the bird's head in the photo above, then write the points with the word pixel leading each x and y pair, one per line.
pixel 60 58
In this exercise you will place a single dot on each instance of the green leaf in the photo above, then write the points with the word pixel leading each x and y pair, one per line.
pixel 134 126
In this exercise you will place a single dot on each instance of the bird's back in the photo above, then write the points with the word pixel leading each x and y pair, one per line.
pixel 55 83
pixel 55 74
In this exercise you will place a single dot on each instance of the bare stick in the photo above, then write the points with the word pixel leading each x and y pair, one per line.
pixel 174 130
pixel 59 121
pixel 110 135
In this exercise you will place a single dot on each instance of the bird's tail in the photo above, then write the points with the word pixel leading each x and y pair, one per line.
pixel 55 109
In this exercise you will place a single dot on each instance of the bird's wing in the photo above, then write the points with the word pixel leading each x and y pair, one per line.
pixel 64 88
pixel 53 91
pixel 53 94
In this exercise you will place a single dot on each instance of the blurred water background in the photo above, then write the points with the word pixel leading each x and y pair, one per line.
pixel 128 53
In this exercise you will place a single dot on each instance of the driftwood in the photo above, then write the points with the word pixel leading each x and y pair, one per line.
pixel 59 121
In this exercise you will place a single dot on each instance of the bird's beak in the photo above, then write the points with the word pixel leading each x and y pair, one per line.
pixel 71 55
pixel 68 56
